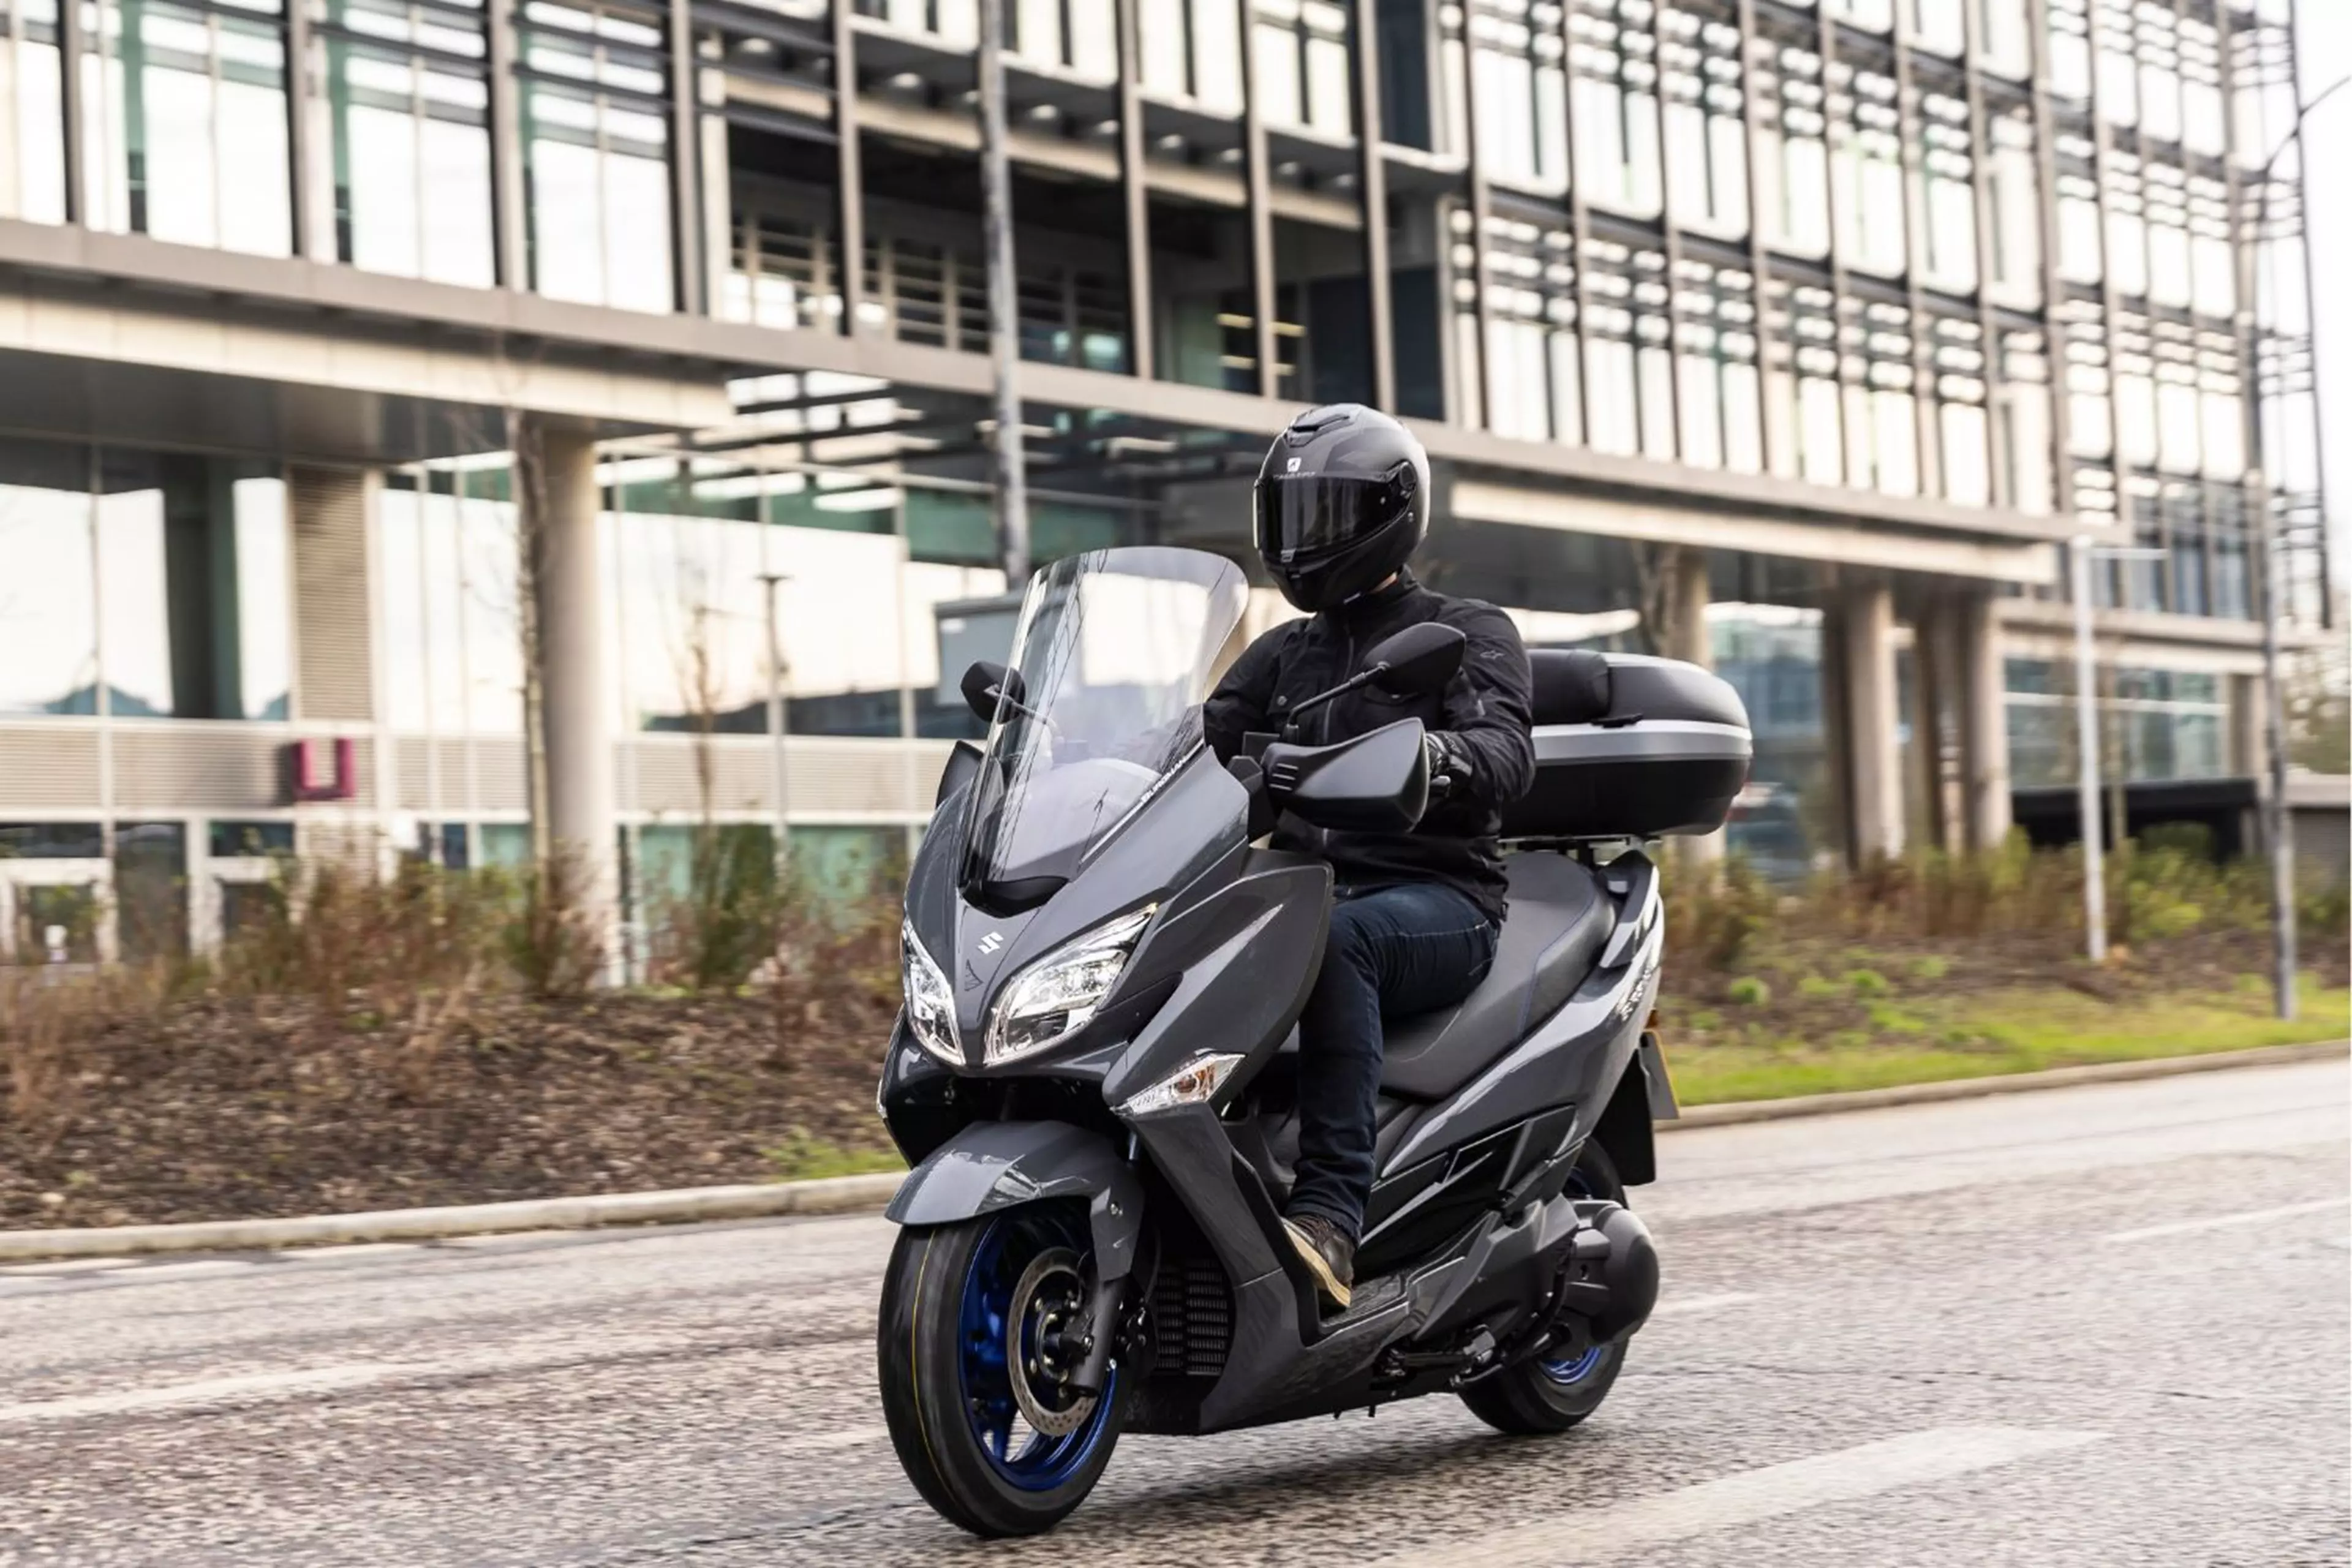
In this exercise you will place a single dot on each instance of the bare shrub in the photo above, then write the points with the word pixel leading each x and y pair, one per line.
pixel 43 1024
pixel 551 938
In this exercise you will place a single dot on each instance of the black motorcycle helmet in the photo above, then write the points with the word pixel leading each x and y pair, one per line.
pixel 1340 505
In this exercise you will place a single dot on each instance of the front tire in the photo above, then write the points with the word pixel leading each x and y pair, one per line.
pixel 966 1309
pixel 1542 1396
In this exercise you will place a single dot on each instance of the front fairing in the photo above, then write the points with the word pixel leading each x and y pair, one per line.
pixel 1165 855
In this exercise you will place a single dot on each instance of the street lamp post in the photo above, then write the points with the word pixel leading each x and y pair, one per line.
pixel 1004 298
pixel 2277 830
pixel 2080 554
pixel 773 581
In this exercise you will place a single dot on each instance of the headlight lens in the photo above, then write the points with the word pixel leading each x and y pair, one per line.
pixel 1055 996
pixel 930 1006
pixel 1195 1083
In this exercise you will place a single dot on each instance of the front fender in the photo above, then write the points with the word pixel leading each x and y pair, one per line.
pixel 991 1166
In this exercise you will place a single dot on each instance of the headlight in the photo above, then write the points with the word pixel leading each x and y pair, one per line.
pixel 1053 997
pixel 930 1006
pixel 1195 1083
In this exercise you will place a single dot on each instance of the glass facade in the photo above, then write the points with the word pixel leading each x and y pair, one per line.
pixel 2154 723
pixel 1825 247
pixel 402 173
pixel 186 124
pixel 142 585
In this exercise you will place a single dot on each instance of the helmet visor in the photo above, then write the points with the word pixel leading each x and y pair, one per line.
pixel 1314 513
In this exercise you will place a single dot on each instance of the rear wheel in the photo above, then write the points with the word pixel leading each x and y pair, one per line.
pixel 974 1367
pixel 1552 1393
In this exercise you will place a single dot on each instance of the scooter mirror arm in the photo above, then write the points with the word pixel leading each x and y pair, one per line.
pixel 1355 682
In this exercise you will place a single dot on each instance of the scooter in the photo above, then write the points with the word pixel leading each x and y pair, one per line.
pixel 1095 1075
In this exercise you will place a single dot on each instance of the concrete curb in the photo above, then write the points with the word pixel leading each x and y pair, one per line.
pixel 868 1195
pixel 837 1195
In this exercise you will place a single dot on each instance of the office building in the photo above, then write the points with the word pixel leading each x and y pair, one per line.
pixel 1798 337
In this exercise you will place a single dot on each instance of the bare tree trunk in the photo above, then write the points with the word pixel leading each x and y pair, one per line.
pixel 531 537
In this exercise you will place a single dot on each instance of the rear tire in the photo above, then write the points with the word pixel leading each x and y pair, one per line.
pixel 1541 1397
pixel 948 1330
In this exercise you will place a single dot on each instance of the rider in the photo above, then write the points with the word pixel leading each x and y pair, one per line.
pixel 1342 503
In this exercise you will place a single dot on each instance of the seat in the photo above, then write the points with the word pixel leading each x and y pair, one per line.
pixel 1552 936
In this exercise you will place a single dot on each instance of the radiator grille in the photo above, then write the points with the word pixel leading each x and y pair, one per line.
pixel 1191 1317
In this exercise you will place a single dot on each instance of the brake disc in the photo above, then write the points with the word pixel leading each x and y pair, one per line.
pixel 1046 1301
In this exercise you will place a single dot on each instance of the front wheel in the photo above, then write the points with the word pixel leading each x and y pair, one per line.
pixel 975 1363
pixel 1552 1393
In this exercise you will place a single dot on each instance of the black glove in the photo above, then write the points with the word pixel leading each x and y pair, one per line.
pixel 1447 761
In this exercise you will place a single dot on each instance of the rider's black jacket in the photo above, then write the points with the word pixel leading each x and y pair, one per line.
pixel 1481 721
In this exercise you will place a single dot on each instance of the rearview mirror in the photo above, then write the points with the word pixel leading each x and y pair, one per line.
pixel 1417 661
pixel 985 684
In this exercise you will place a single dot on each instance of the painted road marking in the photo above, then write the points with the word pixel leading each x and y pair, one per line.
pixel 317 1380
pixel 1623 1530
pixel 66 1266
pixel 199 1269
pixel 2226 1221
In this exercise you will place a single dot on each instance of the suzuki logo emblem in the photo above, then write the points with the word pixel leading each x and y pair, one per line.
pixel 989 943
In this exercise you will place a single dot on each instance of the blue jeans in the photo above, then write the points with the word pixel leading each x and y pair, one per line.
pixel 1393 952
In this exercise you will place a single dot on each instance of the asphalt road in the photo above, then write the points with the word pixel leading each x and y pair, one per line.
pixel 2098 1326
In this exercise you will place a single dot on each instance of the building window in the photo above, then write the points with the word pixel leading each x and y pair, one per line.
pixel 403 126
pixel 955 22
pixel 49 596
pixel 2153 723
pixel 1720 385
pixel 1938 26
pixel 186 110
pixel 1193 49
pixel 1519 84
pixel 1706 135
pixel 1866 169
pixel 1793 177
pixel 782 265
pixel 32 110
pixel 1302 66
pixel 1945 177
pixel 1963 427
pixel 1084 41
pixel 596 146
pixel 2021 418
pixel 189 558
pixel 452 638
pixel 1882 431
pixel 1612 54
pixel 2013 208
pixel 1803 410
pixel 1531 359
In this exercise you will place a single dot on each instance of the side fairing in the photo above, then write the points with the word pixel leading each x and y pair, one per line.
pixel 1575 1057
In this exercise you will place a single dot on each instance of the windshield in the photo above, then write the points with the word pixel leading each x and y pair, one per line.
pixel 1114 654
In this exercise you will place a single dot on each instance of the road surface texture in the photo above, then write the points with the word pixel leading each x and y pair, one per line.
pixel 2095 1326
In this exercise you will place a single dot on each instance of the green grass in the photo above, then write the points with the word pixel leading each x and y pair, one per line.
pixel 799 1159
pixel 1997 1033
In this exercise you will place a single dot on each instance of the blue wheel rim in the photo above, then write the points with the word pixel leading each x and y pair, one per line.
pixel 1568 1371
pixel 1028 1460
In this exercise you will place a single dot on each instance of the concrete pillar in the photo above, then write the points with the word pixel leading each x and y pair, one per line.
pixel 1934 818
pixel 2249 752
pixel 1686 639
pixel 573 682
pixel 1983 711
pixel 1874 754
